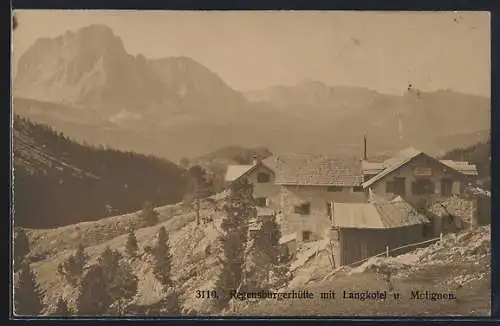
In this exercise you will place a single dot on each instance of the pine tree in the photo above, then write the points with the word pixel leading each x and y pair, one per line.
pixel 110 281
pixel 148 215
pixel 72 268
pixel 21 248
pixel 131 246
pixel 239 210
pixel 274 238
pixel 261 255
pixel 162 264
pixel 81 258
pixel 61 308
pixel 94 299
pixel 27 295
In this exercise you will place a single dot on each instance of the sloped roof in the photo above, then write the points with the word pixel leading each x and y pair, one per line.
pixel 233 172
pixel 316 170
pixel 288 237
pixel 376 215
pixel 406 156
pixel 394 163
pixel 461 166
pixel 357 215
pixel 372 167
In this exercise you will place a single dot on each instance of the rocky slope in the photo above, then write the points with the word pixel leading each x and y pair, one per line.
pixel 459 264
pixel 194 252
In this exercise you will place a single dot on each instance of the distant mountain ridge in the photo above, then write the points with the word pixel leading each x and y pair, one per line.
pixel 85 84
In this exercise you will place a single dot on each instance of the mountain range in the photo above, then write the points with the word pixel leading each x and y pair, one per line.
pixel 85 84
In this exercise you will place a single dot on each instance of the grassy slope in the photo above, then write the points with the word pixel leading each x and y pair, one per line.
pixel 192 247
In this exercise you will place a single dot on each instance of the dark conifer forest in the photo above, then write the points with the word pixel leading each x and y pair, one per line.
pixel 58 181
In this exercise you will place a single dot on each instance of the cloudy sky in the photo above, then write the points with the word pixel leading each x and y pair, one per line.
pixel 383 51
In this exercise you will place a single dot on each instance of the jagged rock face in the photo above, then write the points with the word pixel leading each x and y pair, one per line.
pixel 91 68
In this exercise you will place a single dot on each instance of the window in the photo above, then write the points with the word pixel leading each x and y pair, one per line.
pixel 389 187
pixel 334 189
pixel 306 235
pixel 304 209
pixel 422 187
pixel 446 187
pixel 358 189
pixel 396 186
pixel 263 177
pixel 399 186
pixel 261 202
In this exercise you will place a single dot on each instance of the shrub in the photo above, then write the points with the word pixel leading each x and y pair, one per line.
pixel 72 268
pixel 148 215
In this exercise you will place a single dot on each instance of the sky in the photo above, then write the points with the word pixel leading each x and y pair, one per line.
pixel 383 51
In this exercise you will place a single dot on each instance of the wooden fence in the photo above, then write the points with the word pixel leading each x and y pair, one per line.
pixel 388 251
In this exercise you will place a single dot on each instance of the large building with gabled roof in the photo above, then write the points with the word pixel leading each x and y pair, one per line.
pixel 304 191
pixel 418 177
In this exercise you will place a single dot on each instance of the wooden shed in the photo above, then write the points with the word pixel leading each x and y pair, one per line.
pixel 366 229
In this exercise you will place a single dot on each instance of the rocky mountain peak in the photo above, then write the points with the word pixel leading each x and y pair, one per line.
pixel 90 68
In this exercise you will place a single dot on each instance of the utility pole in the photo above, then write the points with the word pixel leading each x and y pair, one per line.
pixel 197 201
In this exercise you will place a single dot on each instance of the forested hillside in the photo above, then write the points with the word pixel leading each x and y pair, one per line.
pixel 478 154
pixel 58 181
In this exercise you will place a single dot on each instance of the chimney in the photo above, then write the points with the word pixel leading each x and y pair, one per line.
pixel 255 159
pixel 364 148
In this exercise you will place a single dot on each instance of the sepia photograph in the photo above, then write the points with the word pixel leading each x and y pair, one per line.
pixel 250 163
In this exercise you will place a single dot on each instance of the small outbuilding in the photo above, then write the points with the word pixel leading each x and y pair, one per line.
pixel 362 230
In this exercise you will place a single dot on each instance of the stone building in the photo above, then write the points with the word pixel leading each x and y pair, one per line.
pixel 303 191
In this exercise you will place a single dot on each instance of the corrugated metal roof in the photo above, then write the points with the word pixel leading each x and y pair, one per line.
pixel 376 215
pixel 235 171
pixel 317 171
pixel 287 238
pixel 357 216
